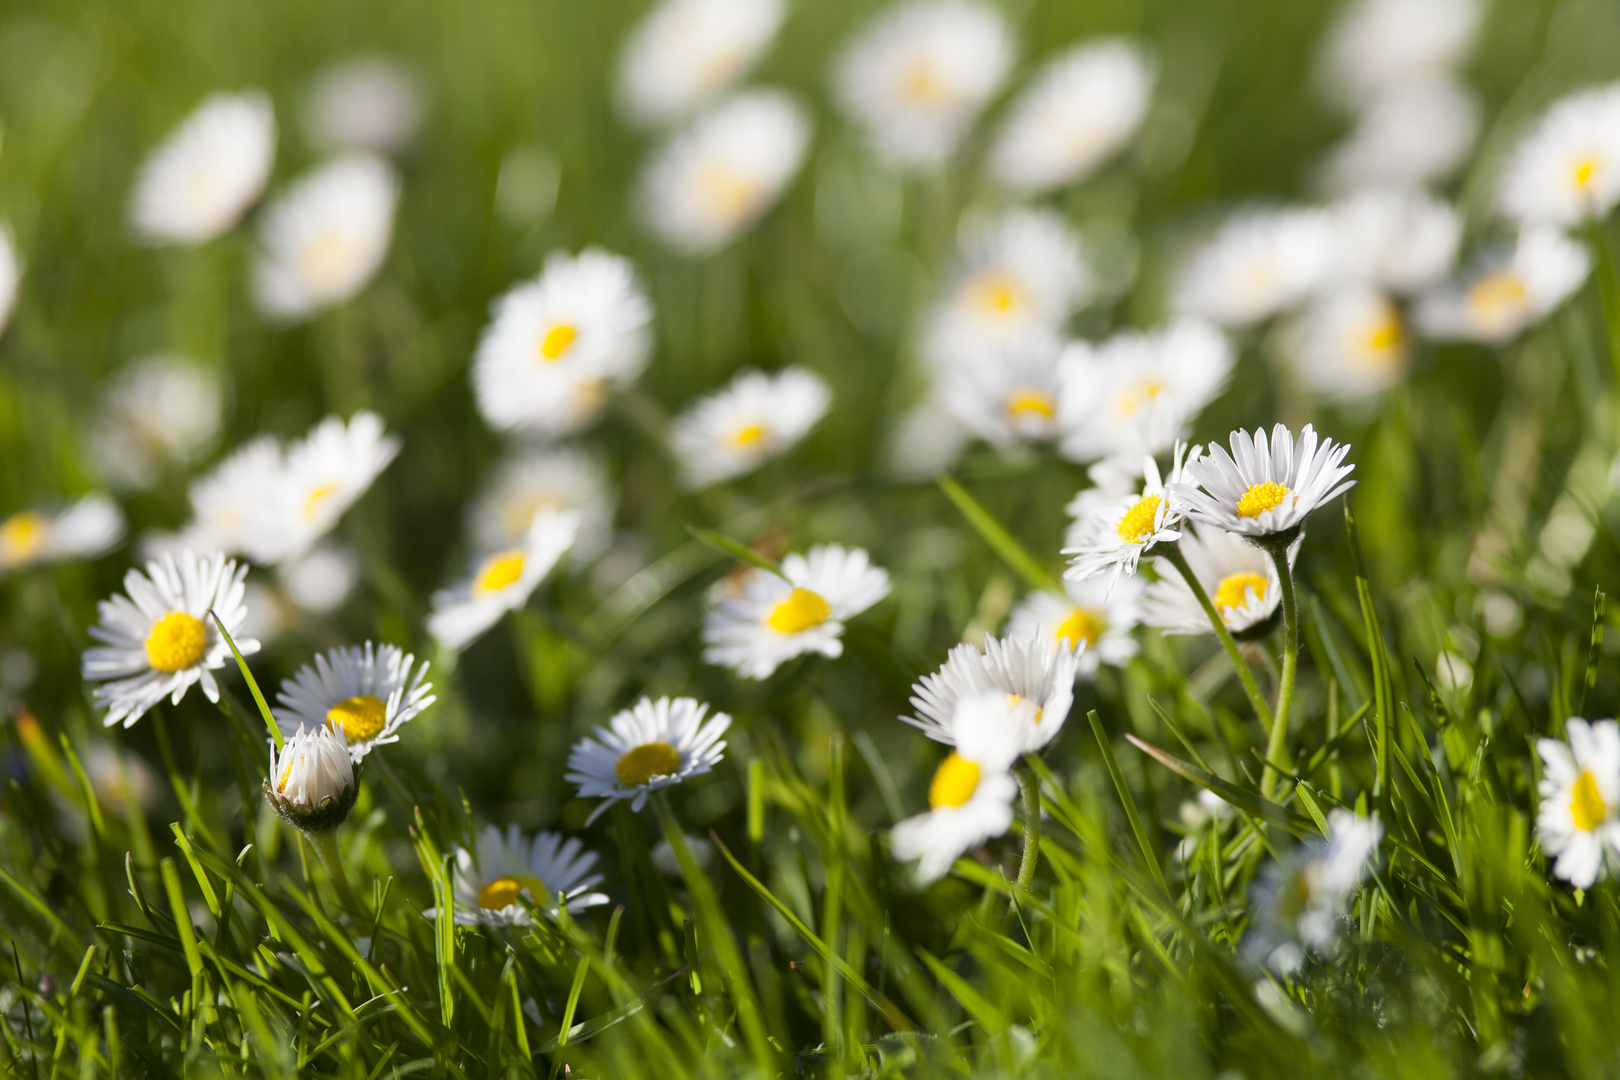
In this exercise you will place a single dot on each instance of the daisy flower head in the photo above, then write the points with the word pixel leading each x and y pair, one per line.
pixel 204 177
pixel 1408 135
pixel 1350 346
pixel 1566 171
pixel 1014 395
pixel 158 638
pixel 1111 532
pixel 1264 488
pixel 501 580
pixel 560 478
pixel 230 505
pixel 926 441
pixel 1078 111
pixel 756 418
pixel 1379 44
pixel 321 579
pixel 916 78
pixel 759 624
pixel 312 784
pixel 685 53
pixel 1578 823
pixel 1302 900
pixel 369 103
pixel 1400 240
pixel 1507 291
pixel 322 241
pixel 1039 671
pixel 1239 578
pixel 156 413
pixel 650 746
pixel 322 476
pixel 11 269
pixel 1087 618
pixel 970 799
pixel 364 693
pixel 1260 262
pixel 488 882
pixel 83 529
pixel 555 344
pixel 712 181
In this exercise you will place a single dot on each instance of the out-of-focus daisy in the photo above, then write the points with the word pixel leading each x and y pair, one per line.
pixel 649 746
pixel 1578 822
pixel 364 693
pixel 545 479
pixel 370 103
pixel 118 778
pixel 1112 532
pixel 555 344
pixel 918 75
pixel 156 413
pixel 1095 622
pixel 1408 135
pixel 1014 395
pixel 684 53
pixel 1301 900
pixel 488 881
pixel 229 506
pixel 322 475
pixel 927 440
pixel 1260 262
pixel 1078 111
pixel 321 579
pixel 1378 44
pixel 502 580
pixel 324 239
pixel 970 799
pixel 1350 346
pixel 10 274
pixel 1239 578
pixel 1038 670
pixel 755 418
pixel 1508 291
pixel 157 638
pixel 311 784
pixel 1566 171
pixel 759 624
pixel 1264 488
pixel 81 530
pixel 709 183
pixel 1403 241
pixel 201 180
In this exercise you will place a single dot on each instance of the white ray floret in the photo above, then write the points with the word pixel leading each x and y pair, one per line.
pixel 497 882
pixel 1507 291
pixel 11 268
pixel 1239 578
pixel 369 103
pixel 1259 263
pixel 1407 136
pixel 1112 531
pixel 533 480
pixel 1264 487
pixel 1566 171
pixel 1301 901
pixel 1093 621
pixel 1578 822
pixel 1349 346
pixel 1015 394
pixel 926 441
pixel 230 506
pixel 645 748
pixel 364 693
pixel 1400 240
pixel 322 475
pixel 1037 670
pixel 502 580
pixel 755 418
pixel 1380 44
pixel 321 579
pixel 82 529
pixel 204 177
pixel 685 53
pixel 156 413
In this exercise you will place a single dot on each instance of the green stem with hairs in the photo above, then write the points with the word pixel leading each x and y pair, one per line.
pixel 325 845
pixel 1277 745
pixel 1031 789
pixel 1172 554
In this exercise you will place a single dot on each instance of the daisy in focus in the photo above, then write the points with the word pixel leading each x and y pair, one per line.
pixel 650 746
pixel 917 77
pixel 544 479
pixel 157 413
pixel 204 177
pixel 756 418
pixel 322 241
pixel 1111 532
pixel 1566 171
pixel 1078 111
pixel 1508 291
pixel 371 103
pixel 10 275
pixel 685 53
pixel 555 344
pixel 489 880
pixel 1259 263
pixel 711 182
pixel 1578 823
pixel 759 623
pixel 1303 899
pixel 1087 617
pixel 502 580
pixel 1264 488
pixel 1350 346
pixel 1239 578
pixel 157 638
pixel 1014 394
pixel 1037 670
pixel 81 530
pixel 321 477
pixel 364 693
pixel 312 785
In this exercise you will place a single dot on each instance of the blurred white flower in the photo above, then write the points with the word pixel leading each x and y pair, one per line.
pixel 684 53
pixel 1079 110
pixel 1260 262
pixel 927 440
pixel 1013 394
pixel 1379 44
pixel 755 418
pixel 1239 578
pixel 1350 345
pixel 1093 621
pixel 1400 240
pixel 320 579
pixel 11 268
pixel 501 581
pixel 156 413
pixel 268 616
pixel 321 476
pixel 118 778
pixel 488 881
pixel 1037 670
pixel 323 240
pixel 311 782
pixel 1453 672
pixel 1302 899
pixel 1566 171
pixel 1263 488
pixel 545 479
pixel 83 529
pixel 647 747
pixel 1508 290
pixel 1113 530
pixel 1578 822
pixel 364 694
pixel 917 77
pixel 554 345
pixel 204 177
pixel 712 181
pixel 228 506
pixel 1408 135
pixel 370 103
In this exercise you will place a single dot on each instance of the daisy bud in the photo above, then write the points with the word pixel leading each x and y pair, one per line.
pixel 312 783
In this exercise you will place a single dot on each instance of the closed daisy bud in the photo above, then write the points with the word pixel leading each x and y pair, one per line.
pixel 372 103
pixel 312 783
pixel 1566 171
pixel 1578 822
pixel 199 183
pixel 1263 489
pixel 501 580
pixel 1239 578
pixel 157 413
pixel 81 530
pixel 1260 263
pixel 364 694
pixel 684 53
pixel 1090 620
pixel 756 418
pixel 650 746
pixel 493 883
pixel 1112 530
pixel 1408 135
pixel 1039 671
pixel 1507 291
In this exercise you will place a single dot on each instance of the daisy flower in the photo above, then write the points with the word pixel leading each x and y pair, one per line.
pixel 647 747
pixel 1239 578
pixel 711 182
pixel 156 413
pixel 322 475
pixel 1350 346
pixel 755 418
pixel 970 799
pixel 1014 395
pixel 918 75
pixel 1407 135
pixel 364 693
pixel 544 479
pixel 1262 489
pixel 1078 111
pixel 229 506
pixel 502 580
pixel 370 103
pixel 159 639
pixel 312 784
pixel 324 239
pixel 1302 900
pixel 554 344
pixel 1091 620
pixel 759 624
pixel 1508 291
pixel 1111 532
pixel 1578 823
pixel 1402 241
pixel 204 177
pixel 1378 44
pixel 685 53
pixel 82 530
pixel 1037 670
pixel 1259 263
pixel 1566 171
pixel 488 881
pixel 10 275
pixel 927 440
pixel 319 580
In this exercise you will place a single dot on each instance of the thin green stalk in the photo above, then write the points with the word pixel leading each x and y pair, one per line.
pixel 325 845
pixel 1173 555
pixel 1277 745
pixel 1031 790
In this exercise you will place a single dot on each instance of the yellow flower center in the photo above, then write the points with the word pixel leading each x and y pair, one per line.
pixel 646 761
pixel 21 537
pixel 728 190
pixel 1586 803
pixel 1260 498
pixel 498 571
pixel 750 434
pixel 801 611
pixel 1081 626
pixel 1497 296
pixel 997 293
pixel 325 260
pixel 954 782
pixel 921 85
pixel 316 497
pixel 1384 338
pixel 1015 700
pixel 1139 396
pixel 1031 401
pixel 503 891
pixel 177 641
pixel 556 341
pixel 1585 169
pixel 357 718
pixel 1233 590
pixel 1137 524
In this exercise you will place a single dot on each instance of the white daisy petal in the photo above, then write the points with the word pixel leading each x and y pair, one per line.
pixel 1262 489
pixel 1094 622
pixel 645 748
pixel 684 53
pixel 204 177
pixel 502 580
pixel 1566 171
pixel 365 694
pixel 1037 670
pixel 1578 822
pixel 756 418
pixel 492 883
pixel 1507 291
pixel 1239 578
pixel 81 530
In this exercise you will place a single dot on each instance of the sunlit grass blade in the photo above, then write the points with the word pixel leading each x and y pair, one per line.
pixel 999 539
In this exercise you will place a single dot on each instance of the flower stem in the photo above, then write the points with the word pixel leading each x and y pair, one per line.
pixel 1173 555
pixel 1031 789
pixel 1277 745
pixel 325 845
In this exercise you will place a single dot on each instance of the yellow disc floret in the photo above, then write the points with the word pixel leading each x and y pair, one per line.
pixel 316 497
pixel 21 537
pixel 1260 498
pixel 1496 298
pixel 177 641
pixel 358 718
pixel 997 293
pixel 1082 626
pixel 1139 521
pixel 1586 804
pixel 1031 401
pixel 954 782
pixel 1232 592
pixel 499 570
pixel 1585 169
pixel 503 891
pixel 556 341
pixel 801 611
pixel 751 433
pixel 641 764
